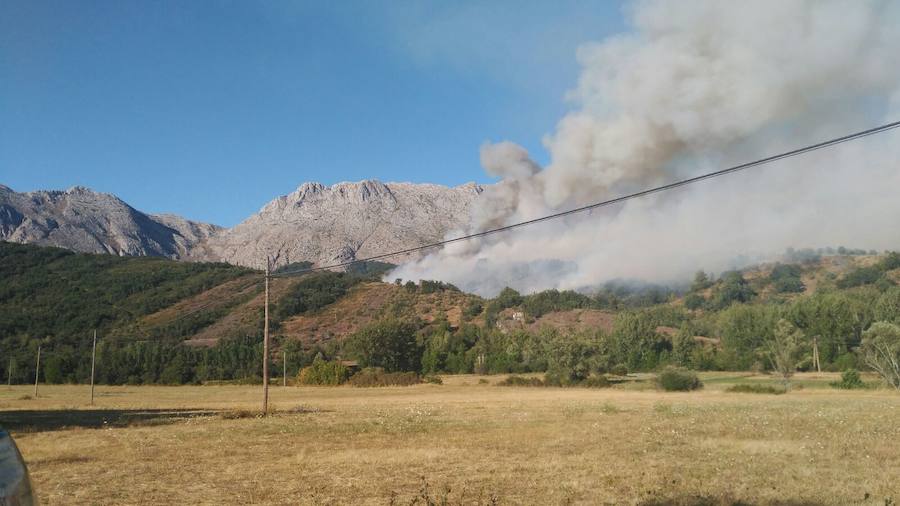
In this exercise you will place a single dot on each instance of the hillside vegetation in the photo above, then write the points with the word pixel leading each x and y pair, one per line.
pixel 162 321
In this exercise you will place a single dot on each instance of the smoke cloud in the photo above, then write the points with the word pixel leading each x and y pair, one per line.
pixel 694 87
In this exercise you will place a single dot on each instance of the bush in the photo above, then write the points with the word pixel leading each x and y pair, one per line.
pixel 376 377
pixel 433 379
pixel 694 301
pixel 861 276
pixel 323 372
pixel 619 370
pixel 786 278
pixel 472 309
pixel 789 285
pixel 676 379
pixel 520 381
pixel 850 380
pixel 747 388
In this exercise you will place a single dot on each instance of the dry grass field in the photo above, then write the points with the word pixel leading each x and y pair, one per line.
pixel 464 442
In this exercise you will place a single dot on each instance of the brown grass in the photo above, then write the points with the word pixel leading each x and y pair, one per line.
pixel 344 445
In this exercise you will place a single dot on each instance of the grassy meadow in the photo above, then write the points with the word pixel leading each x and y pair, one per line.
pixel 467 441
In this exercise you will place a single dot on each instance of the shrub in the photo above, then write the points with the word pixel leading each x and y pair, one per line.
pixel 619 370
pixel 850 380
pixel 694 301
pixel 861 276
pixel 433 379
pixel 676 379
pixel 786 278
pixel 472 309
pixel 789 285
pixel 747 388
pixel 377 377
pixel 520 381
pixel 323 372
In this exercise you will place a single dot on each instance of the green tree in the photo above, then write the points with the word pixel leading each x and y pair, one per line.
pixel 783 350
pixel 507 298
pixel 887 307
pixel 635 342
pixel 390 344
pixel 732 288
pixel 694 301
pixel 880 350
pixel 684 346
pixel 744 329
pixel 701 282
pixel 571 361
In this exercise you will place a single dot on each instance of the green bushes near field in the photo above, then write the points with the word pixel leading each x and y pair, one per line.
pixel 676 379
pixel 334 373
pixel 323 372
pixel 597 381
pixel 520 381
pixel 850 380
pixel 377 377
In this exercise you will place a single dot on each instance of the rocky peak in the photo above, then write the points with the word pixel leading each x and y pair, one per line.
pixel 316 223
pixel 84 220
pixel 347 220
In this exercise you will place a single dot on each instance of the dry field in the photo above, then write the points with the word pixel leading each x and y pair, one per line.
pixel 464 441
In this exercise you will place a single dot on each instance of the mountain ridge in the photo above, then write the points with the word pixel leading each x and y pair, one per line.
pixel 316 223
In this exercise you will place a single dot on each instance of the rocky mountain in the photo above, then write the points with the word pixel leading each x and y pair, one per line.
pixel 84 220
pixel 317 223
pixel 346 221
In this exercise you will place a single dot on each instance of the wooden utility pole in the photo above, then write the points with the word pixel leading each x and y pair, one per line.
pixel 284 370
pixel 37 371
pixel 9 374
pixel 93 361
pixel 266 346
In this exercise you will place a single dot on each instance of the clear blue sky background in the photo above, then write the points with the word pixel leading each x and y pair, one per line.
pixel 210 109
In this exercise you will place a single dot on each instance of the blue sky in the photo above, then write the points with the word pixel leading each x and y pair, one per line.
pixel 210 109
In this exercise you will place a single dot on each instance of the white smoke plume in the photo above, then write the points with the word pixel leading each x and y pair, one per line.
pixel 697 86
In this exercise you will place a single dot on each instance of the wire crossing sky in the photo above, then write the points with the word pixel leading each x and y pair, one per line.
pixel 677 184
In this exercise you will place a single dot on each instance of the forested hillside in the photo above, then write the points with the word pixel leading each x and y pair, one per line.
pixel 162 321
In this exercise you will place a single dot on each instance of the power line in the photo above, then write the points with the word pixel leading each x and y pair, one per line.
pixel 642 193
